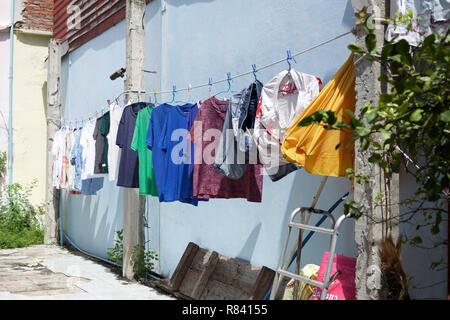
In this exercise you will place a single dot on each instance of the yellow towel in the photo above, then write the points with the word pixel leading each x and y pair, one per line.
pixel 313 147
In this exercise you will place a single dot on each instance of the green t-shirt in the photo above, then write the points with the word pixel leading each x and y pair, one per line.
pixel 147 185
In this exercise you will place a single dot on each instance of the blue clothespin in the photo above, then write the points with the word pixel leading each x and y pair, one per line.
pixel 289 57
pixel 254 71
pixel 174 89
pixel 210 86
pixel 229 81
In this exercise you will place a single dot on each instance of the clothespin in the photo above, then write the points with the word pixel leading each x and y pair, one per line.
pixel 289 57
pixel 229 81
pixel 254 71
pixel 210 87
pixel 155 92
pixel 174 89
pixel 189 92
pixel 108 101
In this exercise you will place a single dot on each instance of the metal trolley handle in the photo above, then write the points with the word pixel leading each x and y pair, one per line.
pixel 333 232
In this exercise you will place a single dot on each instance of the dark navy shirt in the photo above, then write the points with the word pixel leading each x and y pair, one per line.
pixel 129 163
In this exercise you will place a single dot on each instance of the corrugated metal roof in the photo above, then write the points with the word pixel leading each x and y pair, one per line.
pixel 96 16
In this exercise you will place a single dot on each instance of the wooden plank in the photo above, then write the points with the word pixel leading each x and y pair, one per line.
pixel 204 276
pixel 207 275
pixel 216 290
pixel 164 285
pixel 262 284
pixel 200 260
pixel 189 281
pixel 183 266
pixel 237 273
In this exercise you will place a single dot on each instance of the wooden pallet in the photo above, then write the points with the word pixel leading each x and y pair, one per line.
pixel 207 275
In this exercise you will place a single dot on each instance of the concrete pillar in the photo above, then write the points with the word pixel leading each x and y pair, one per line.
pixel 378 218
pixel 134 204
pixel 51 230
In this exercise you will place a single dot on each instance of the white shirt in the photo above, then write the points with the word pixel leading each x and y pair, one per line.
pixel 115 113
pixel 434 19
pixel 57 154
pixel 87 142
pixel 71 176
pixel 282 100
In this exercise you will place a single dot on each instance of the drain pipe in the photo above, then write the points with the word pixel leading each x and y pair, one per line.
pixel 10 129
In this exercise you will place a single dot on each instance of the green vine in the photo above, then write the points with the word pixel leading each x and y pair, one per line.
pixel 143 259
pixel 409 124
pixel 3 161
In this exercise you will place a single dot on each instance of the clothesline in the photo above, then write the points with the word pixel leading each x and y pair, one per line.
pixel 211 83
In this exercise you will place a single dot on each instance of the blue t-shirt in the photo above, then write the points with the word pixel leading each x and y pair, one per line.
pixel 166 137
pixel 75 160
pixel 129 164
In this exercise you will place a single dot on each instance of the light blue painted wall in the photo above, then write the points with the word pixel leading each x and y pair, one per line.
pixel 193 40
pixel 188 43
pixel 91 221
pixel 424 283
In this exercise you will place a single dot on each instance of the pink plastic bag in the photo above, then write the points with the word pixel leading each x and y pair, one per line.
pixel 343 287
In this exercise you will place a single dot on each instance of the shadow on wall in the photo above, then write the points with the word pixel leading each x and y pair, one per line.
pixel 247 250
pixel 349 15
pixel 96 218
pixel 425 283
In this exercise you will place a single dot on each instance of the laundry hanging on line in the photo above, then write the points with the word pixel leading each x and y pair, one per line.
pixel 136 145
pixel 313 147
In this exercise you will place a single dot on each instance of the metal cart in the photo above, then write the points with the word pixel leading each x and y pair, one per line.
pixel 333 232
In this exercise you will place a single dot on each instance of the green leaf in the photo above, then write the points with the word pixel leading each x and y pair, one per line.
pixel 350 113
pixel 372 115
pixel 374 158
pixel 362 131
pixel 445 116
pixel 371 43
pixel 385 135
pixel 306 122
pixel 416 115
pixel 383 78
pixel 403 48
pixel 353 47
pixel 364 143
pixel 386 51
pixel 397 58
pixel 331 118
